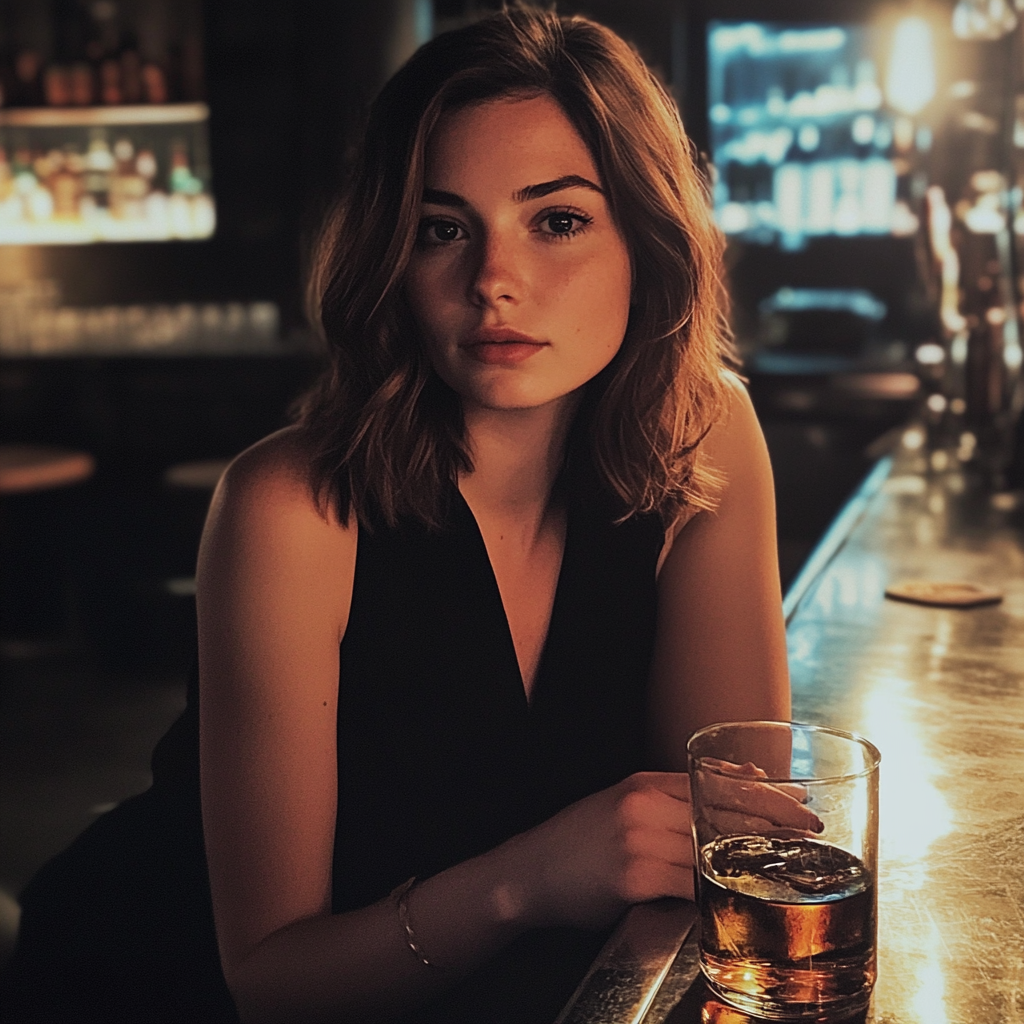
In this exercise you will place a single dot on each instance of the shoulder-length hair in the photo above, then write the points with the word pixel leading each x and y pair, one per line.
pixel 386 434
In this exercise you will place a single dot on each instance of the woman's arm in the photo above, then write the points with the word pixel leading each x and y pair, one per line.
pixel 275 581
pixel 720 653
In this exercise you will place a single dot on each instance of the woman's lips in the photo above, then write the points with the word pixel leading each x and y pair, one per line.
pixel 502 347
pixel 507 353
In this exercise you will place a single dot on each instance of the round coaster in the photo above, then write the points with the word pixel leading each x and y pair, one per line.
pixel 947 594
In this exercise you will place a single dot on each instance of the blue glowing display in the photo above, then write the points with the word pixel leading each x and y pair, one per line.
pixel 803 139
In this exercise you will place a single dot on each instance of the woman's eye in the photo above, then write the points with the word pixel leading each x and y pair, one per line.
pixel 563 223
pixel 560 223
pixel 439 232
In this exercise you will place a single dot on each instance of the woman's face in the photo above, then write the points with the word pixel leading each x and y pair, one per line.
pixel 520 280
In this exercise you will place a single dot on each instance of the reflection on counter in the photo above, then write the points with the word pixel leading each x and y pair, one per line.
pixel 940 691
pixel 715 1012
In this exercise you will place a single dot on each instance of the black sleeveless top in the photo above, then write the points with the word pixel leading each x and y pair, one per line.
pixel 440 758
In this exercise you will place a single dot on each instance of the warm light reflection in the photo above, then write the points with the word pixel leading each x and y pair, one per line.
pixel 912 812
pixel 905 484
pixel 851 584
pixel 913 815
pixel 929 1003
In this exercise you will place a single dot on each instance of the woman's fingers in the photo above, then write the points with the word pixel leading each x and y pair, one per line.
pixel 749 796
pixel 676 880
pixel 651 804
pixel 793 789
pixel 729 823
pixel 673 784
pixel 662 845
pixel 750 770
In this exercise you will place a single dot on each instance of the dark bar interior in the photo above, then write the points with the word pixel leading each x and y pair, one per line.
pixel 164 170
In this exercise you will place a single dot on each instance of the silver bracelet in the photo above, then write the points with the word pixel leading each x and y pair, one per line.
pixel 401 894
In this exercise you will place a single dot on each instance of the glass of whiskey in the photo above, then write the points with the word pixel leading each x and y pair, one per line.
pixel 785 827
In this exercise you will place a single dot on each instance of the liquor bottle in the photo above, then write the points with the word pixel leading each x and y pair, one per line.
pixel 128 188
pixel 57 86
pixel 81 85
pixel 66 188
pixel 6 177
pixel 131 75
pixel 99 162
pixel 110 81
pixel 154 83
pixel 26 83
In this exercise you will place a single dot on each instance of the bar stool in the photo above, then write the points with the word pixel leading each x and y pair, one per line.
pixel 202 475
pixel 26 467
pixel 144 564
pixel 36 593
pixel 192 484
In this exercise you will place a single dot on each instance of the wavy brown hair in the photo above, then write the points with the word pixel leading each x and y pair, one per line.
pixel 387 435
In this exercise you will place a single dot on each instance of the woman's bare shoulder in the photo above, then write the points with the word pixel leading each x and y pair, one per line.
pixel 733 441
pixel 267 532
pixel 272 481
pixel 277 467
pixel 731 436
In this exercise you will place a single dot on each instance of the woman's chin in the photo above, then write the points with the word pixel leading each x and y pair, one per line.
pixel 511 399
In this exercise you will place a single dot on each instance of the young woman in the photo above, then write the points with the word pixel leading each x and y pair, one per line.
pixel 457 625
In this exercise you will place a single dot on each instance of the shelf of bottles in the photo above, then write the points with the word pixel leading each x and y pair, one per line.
pixel 103 132
pixel 115 174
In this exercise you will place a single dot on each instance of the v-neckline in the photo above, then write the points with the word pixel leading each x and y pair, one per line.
pixel 528 700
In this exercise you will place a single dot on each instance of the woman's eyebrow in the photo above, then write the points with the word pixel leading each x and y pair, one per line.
pixel 438 197
pixel 545 188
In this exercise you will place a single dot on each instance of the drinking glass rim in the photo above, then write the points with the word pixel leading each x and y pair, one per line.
pixel 875 756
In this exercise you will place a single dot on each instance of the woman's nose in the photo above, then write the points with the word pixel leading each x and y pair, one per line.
pixel 498 278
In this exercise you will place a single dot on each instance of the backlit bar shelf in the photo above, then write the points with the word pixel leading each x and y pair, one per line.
pixel 88 117
pixel 73 175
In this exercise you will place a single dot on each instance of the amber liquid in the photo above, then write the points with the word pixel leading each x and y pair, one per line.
pixel 787 926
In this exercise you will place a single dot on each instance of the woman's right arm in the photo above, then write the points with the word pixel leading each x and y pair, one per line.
pixel 274 586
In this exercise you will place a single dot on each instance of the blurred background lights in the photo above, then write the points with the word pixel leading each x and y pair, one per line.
pixel 930 354
pixel 986 216
pixel 963 89
pixel 968 444
pixel 987 181
pixel 958 348
pixel 983 19
pixel 903 134
pixel 799 134
pixel 913 438
pixel 937 403
pixel 809 137
pixel 810 40
pixel 910 83
pixel 863 130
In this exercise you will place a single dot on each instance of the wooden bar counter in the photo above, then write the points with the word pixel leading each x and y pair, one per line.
pixel 940 691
